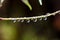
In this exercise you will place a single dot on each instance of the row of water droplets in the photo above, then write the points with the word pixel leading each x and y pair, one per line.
pixel 29 20
pixel 35 19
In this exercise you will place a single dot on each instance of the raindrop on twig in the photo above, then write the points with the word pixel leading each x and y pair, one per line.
pixel 40 19
pixel 28 21
pixel 18 20
pixel 22 20
pixel 14 21
pixel 35 20
pixel 45 18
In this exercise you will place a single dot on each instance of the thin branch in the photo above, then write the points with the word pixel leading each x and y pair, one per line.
pixel 35 17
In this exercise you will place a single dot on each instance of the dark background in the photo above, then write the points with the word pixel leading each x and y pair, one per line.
pixel 27 31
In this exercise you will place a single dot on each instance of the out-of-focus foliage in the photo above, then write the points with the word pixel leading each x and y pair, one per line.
pixel 27 3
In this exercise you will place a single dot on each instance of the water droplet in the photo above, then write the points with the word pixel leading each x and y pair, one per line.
pixel 22 20
pixel 28 21
pixel 18 20
pixel 35 20
pixel 45 18
pixel 40 18
pixel 14 21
